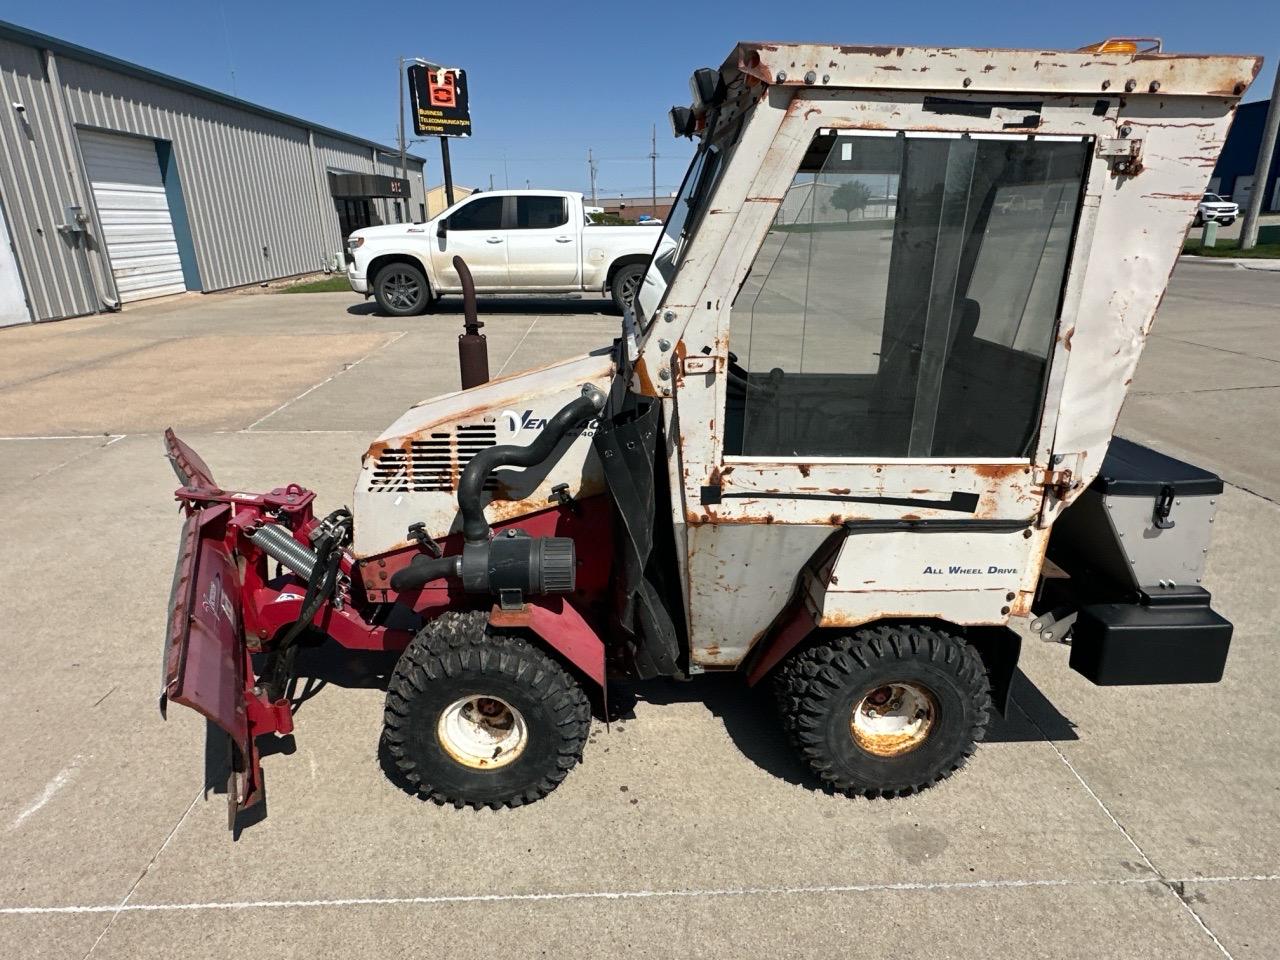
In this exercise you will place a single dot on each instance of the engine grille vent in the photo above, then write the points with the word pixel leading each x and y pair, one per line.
pixel 433 465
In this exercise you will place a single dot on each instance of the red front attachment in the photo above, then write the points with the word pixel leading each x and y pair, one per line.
pixel 226 604
pixel 207 665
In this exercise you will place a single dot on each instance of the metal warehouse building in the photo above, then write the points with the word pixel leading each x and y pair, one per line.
pixel 118 184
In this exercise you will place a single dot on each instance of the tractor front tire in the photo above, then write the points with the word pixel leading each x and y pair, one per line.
pixel 482 719
pixel 886 711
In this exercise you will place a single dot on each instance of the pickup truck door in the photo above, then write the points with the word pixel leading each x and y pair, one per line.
pixel 543 244
pixel 474 231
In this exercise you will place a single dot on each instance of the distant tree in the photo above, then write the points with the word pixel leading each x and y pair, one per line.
pixel 850 196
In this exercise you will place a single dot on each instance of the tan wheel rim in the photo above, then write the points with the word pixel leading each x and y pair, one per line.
pixel 893 719
pixel 484 733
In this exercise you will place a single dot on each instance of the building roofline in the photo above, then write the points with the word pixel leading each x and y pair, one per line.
pixel 11 31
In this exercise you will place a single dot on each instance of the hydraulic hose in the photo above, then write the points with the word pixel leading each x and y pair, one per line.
pixel 475 529
pixel 321 580
pixel 422 570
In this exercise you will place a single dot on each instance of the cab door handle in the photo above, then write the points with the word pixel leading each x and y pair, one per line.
pixel 564 239
pixel 493 240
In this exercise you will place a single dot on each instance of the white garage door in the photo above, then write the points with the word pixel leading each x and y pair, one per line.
pixel 13 303
pixel 134 213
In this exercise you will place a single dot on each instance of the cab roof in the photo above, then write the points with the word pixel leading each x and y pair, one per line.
pixel 986 70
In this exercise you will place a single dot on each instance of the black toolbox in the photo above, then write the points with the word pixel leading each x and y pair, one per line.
pixel 1134 545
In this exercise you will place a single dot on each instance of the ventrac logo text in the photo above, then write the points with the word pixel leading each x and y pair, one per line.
pixel 516 422
pixel 523 421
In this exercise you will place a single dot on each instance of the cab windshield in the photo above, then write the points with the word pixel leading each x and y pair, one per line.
pixel 682 222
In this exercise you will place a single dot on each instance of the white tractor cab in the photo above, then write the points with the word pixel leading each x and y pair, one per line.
pixel 859 430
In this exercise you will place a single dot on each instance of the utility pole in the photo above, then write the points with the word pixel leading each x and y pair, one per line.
pixel 653 172
pixel 591 168
pixel 491 183
pixel 403 174
pixel 1249 229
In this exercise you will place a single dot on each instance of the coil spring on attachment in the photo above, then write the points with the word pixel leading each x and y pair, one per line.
pixel 279 544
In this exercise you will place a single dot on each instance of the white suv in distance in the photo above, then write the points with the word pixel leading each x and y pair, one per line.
pixel 1214 207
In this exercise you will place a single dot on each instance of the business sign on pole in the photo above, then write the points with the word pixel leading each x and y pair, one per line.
pixel 439 98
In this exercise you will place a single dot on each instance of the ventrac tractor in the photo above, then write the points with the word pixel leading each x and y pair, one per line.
pixel 854 441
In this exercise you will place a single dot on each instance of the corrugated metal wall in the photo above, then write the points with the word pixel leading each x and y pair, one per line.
pixel 255 191
pixel 36 188
pixel 340 155
pixel 246 179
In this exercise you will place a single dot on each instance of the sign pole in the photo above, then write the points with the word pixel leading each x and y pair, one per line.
pixel 1261 172
pixel 448 170
pixel 403 174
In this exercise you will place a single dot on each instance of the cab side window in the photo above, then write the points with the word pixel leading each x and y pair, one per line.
pixel 484 213
pixel 905 300
pixel 541 213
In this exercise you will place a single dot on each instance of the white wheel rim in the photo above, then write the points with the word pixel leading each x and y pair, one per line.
pixel 893 719
pixel 482 732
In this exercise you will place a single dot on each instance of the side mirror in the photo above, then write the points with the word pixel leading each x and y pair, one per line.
pixel 442 229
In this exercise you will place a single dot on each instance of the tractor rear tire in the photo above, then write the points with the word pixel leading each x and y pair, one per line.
pixel 482 719
pixel 886 711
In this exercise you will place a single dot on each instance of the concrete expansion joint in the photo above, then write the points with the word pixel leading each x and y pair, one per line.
pixel 142 875
pixel 1177 887
pixel 127 906
pixel 317 386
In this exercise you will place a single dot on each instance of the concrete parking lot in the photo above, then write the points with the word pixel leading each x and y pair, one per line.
pixel 1125 823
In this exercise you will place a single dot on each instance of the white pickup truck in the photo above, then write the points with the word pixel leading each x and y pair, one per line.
pixel 513 241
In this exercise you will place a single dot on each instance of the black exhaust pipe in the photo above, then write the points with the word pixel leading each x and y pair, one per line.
pixel 473 348
pixel 517 564
pixel 475 529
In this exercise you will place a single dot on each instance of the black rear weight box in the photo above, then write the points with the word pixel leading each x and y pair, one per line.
pixel 1116 644
pixel 1135 545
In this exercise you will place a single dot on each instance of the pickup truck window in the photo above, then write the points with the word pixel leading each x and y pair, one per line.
pixel 541 213
pixel 484 213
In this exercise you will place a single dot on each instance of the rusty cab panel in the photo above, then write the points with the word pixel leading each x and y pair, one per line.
pixel 906 309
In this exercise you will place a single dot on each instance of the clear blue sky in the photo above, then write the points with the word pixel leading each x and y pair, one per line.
pixel 549 80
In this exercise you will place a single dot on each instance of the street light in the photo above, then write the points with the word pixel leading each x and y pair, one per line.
pixel 403 164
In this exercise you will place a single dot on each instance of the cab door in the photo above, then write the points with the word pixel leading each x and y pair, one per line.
pixel 543 249
pixel 476 232
pixel 878 388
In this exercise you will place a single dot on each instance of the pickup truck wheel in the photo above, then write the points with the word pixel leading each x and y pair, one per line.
pixel 1198 221
pixel 401 290
pixel 886 711
pixel 480 719
pixel 626 284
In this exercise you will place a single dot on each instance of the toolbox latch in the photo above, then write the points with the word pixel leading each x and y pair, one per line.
pixel 1164 506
